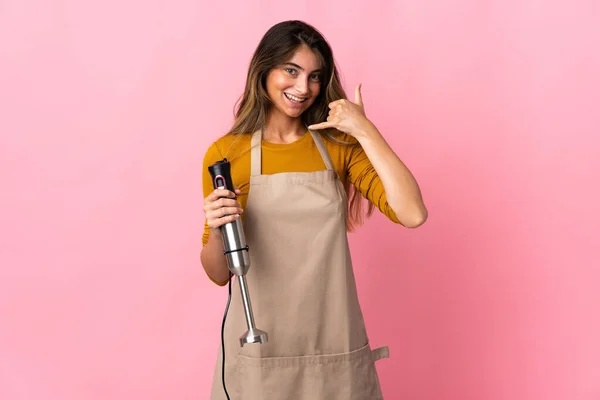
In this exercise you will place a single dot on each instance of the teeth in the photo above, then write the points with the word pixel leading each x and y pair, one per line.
pixel 294 98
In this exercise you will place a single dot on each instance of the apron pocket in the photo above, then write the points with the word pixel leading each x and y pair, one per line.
pixel 346 376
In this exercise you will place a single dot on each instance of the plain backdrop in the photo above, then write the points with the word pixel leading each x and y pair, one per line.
pixel 107 108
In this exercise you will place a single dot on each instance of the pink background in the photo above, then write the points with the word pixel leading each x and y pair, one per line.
pixel 106 109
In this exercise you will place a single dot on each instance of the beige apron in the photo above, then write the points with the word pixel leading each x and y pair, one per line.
pixel 303 295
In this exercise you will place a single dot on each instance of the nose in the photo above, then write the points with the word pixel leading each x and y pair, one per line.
pixel 302 85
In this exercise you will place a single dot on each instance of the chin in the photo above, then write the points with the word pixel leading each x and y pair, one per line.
pixel 294 113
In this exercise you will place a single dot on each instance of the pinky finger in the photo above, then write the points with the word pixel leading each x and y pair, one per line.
pixel 322 125
pixel 226 219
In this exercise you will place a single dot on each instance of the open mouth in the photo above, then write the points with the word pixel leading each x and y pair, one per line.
pixel 294 99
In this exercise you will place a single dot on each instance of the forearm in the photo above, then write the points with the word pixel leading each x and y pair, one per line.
pixel 213 261
pixel 402 190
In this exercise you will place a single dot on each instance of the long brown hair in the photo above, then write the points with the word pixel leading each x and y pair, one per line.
pixel 276 47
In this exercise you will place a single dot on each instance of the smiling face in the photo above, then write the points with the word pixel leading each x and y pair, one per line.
pixel 294 85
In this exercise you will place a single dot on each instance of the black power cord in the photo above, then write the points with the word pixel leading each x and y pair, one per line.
pixel 223 337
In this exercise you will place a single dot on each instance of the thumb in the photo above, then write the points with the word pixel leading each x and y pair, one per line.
pixel 358 96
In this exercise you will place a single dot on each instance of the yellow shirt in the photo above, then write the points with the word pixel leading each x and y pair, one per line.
pixel 351 163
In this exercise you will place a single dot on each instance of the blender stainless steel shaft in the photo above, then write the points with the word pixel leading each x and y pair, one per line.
pixel 236 252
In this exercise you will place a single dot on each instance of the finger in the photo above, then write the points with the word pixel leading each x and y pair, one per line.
pixel 215 215
pixel 224 211
pixel 336 103
pixel 218 222
pixel 218 193
pixel 219 203
pixel 358 95
pixel 225 202
pixel 322 125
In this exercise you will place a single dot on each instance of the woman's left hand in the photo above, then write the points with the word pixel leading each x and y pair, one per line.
pixel 346 116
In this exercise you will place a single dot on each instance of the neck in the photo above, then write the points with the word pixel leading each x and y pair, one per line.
pixel 283 129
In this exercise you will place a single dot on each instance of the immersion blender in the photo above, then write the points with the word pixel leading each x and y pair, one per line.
pixel 236 252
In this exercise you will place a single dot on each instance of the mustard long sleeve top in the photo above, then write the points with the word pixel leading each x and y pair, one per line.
pixel 351 163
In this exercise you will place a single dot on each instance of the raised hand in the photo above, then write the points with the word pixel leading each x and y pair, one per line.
pixel 346 116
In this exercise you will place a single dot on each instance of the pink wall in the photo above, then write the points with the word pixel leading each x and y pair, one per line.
pixel 106 109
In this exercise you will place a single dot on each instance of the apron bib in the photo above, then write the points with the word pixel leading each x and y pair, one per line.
pixel 303 294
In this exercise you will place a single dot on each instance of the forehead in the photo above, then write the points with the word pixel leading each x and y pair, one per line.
pixel 306 58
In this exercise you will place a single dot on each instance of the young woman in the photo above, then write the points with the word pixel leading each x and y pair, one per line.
pixel 302 157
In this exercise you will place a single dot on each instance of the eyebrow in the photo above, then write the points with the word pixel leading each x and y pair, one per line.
pixel 299 67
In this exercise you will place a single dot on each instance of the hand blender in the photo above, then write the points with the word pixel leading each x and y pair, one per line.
pixel 236 252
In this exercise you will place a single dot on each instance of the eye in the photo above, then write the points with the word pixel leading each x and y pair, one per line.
pixel 315 77
pixel 291 71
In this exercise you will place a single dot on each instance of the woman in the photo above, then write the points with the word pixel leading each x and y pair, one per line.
pixel 301 156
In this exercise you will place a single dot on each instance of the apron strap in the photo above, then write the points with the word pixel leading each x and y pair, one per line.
pixel 255 154
pixel 322 150
pixel 379 353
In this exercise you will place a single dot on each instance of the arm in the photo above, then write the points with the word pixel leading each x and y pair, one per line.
pixel 213 261
pixel 401 188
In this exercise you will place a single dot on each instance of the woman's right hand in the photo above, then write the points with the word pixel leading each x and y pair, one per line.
pixel 221 207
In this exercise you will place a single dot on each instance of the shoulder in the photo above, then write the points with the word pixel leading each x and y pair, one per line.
pixel 227 146
pixel 341 143
pixel 334 137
